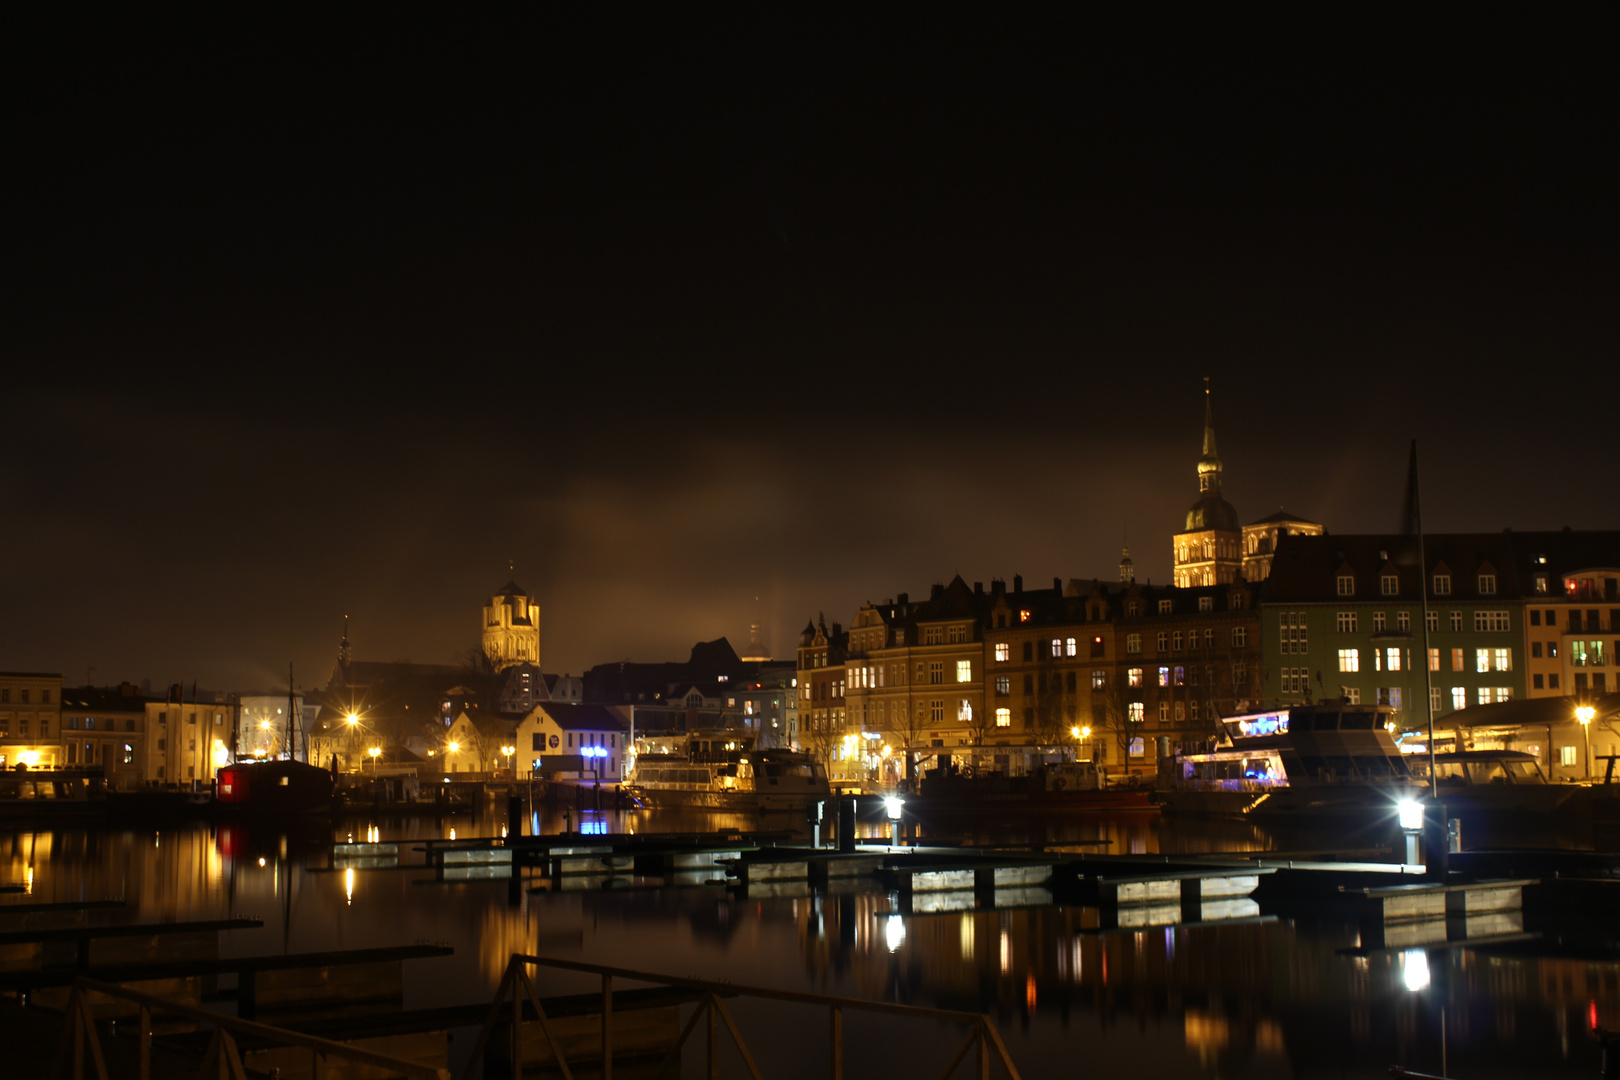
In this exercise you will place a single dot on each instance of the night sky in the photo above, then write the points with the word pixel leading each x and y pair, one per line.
pixel 312 313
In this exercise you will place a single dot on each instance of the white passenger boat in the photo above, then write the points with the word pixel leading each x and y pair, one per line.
pixel 1304 762
pixel 747 780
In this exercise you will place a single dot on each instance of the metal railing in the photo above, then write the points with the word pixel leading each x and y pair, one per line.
pixel 222 1058
pixel 516 985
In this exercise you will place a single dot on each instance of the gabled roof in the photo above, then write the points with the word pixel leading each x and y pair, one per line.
pixel 1282 516
pixel 572 717
pixel 487 723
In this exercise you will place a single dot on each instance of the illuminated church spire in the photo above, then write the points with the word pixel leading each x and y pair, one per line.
pixel 1209 463
pixel 1127 569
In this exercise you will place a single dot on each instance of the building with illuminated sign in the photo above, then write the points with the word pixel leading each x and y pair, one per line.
pixel 582 744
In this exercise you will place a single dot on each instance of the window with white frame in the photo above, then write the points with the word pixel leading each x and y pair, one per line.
pixel 1003 718
pixel 1434 699
pixel 1071 647
pixel 1434 659
pixel 1487 584
pixel 1164 712
pixel 1164 676
pixel 1379 623
pixel 1442 584
pixel 1003 685
pixel 1456 621
pixel 1164 641
pixel 1133 676
pixel 1240 637
pixel 1349 659
pixel 1347 622
pixel 1134 712
pixel 964 710
pixel 1099 678
pixel 1057 646
pixel 964 671
pixel 1431 621
pixel 1003 652
pixel 1389 585
pixel 1138 746
pixel 1567 755
pixel 1180 712
pixel 1206 603
pixel 1133 643
pixel 1164 607
pixel 1491 621
pixel 1459 697
pixel 1346 584
pixel 1403 621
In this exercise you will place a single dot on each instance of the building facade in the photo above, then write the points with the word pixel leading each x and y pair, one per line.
pixel 512 628
pixel 31 719
pixel 105 728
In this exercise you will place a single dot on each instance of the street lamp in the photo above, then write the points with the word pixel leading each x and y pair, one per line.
pixel 1585 714
pixel 508 751
pixel 375 752
pixel 894 806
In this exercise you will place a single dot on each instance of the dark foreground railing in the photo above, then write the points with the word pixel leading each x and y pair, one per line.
pixel 516 986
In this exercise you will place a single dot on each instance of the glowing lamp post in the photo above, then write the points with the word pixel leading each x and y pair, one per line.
pixel 375 752
pixel 507 752
pixel 894 806
pixel 1585 714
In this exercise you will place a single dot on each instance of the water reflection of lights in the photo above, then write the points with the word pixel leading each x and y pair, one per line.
pixel 967 936
pixel 348 885
pixel 1415 969
pixel 28 880
pixel 894 932
pixel 373 834
pixel 261 860
pixel 1006 953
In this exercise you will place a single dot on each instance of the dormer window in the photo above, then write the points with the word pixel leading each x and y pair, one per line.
pixel 1133 609
pixel 1347 584
pixel 1023 615
pixel 1164 607
pixel 1487 584
pixel 1206 603
pixel 1541 584
pixel 1389 585
pixel 1442 584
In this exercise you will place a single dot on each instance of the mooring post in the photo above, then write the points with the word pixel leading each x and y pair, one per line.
pixel 846 823
pixel 1436 853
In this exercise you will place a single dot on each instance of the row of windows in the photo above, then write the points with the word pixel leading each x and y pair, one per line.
pixel 1390 585
pixel 1395 658
pixel 1591 621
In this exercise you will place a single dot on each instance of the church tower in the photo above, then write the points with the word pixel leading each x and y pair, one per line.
pixel 512 628
pixel 1209 551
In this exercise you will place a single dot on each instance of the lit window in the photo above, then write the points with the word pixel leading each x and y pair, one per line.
pixel 964 711
pixel 1070 647
pixel 1178 675
pixel 1057 646
pixel 1138 746
pixel 1099 679
pixel 1003 652
pixel 1349 659
pixel 1135 713
pixel 1003 718
pixel 1392 659
pixel 964 671
pixel 1459 697
pixel 1164 676
pixel 1133 676
pixel 1023 616
pixel 1434 661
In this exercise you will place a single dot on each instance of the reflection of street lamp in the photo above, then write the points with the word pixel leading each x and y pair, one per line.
pixel 1584 714
pixel 375 752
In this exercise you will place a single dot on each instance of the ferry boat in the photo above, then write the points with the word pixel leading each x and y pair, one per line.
pixel 736 779
pixel 1328 761
pixel 1497 783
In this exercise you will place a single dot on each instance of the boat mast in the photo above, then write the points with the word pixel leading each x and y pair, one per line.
pixel 291 731
pixel 1423 594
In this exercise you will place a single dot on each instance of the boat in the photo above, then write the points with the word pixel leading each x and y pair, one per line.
pixel 1066 785
pixel 1302 763
pixel 27 793
pixel 736 779
pixel 279 788
pixel 1496 783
